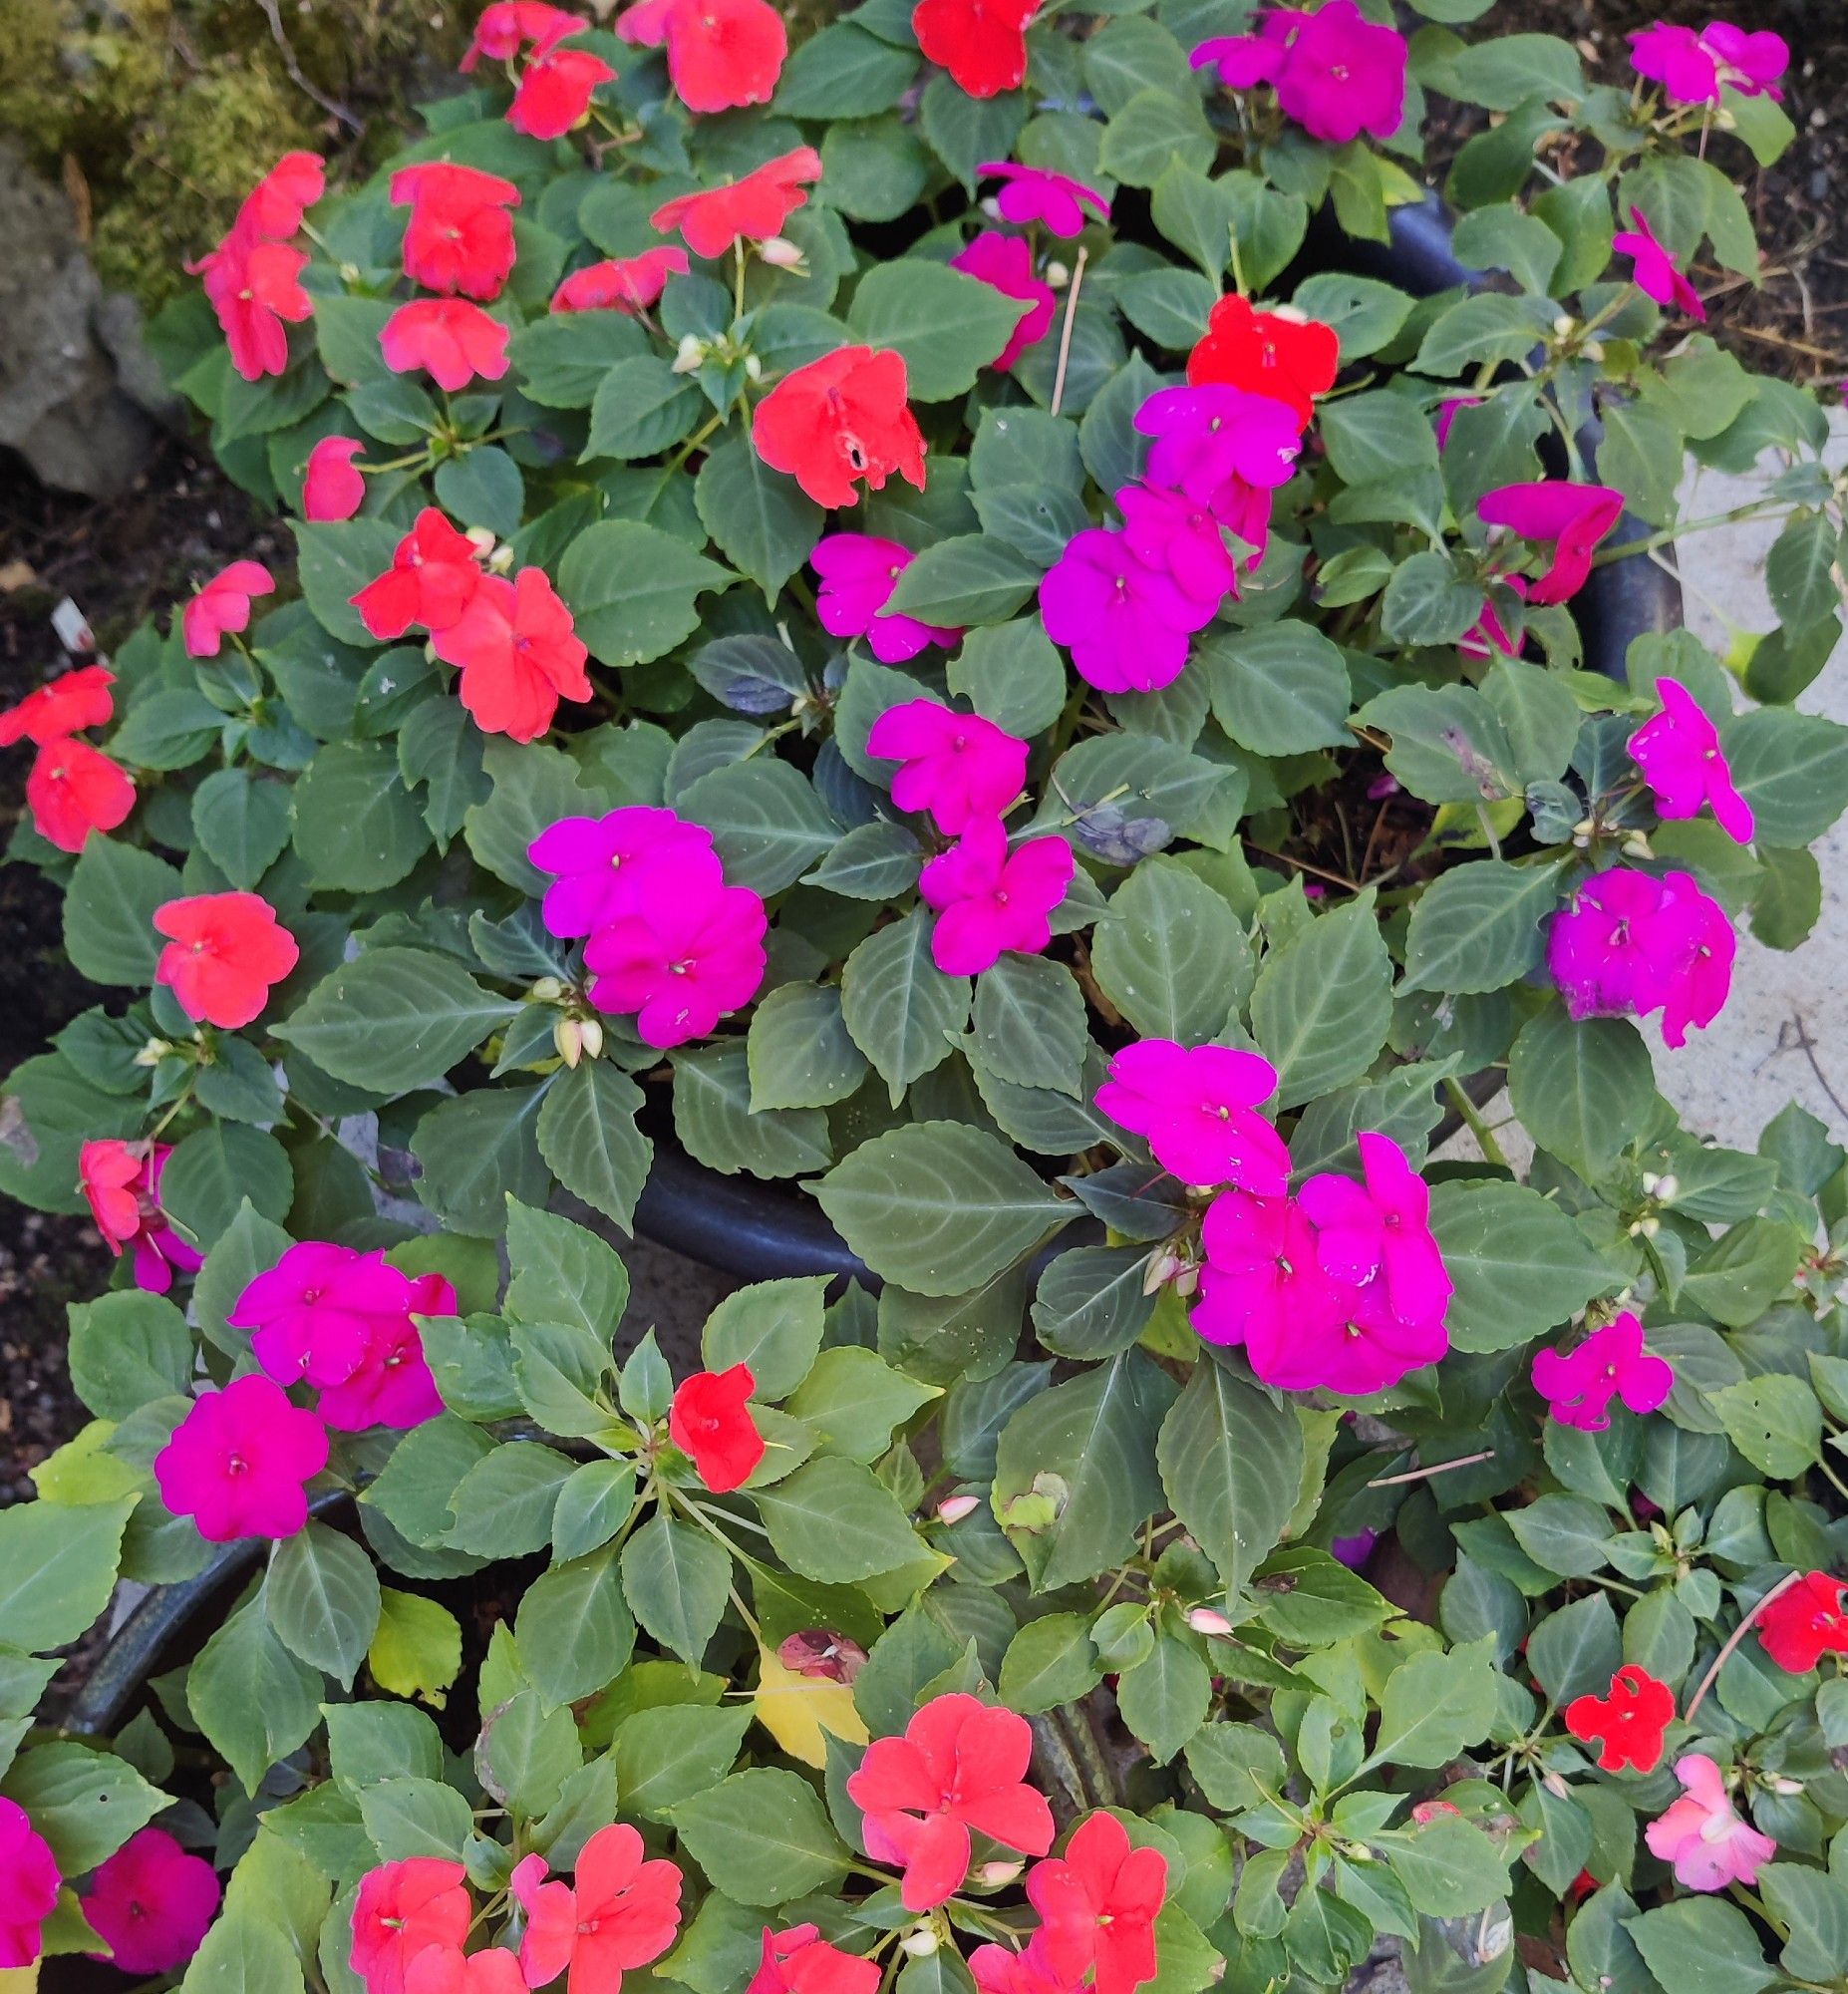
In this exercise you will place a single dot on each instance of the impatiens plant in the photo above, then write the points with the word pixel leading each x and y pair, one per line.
pixel 950 617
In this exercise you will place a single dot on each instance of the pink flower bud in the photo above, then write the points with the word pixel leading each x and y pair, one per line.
pixel 953 1509
pixel 1208 1620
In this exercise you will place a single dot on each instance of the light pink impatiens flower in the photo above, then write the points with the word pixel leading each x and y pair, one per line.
pixel 1036 194
pixel 1682 760
pixel 1658 275
pixel 1579 1385
pixel 1694 68
pixel 239 1461
pixel 991 901
pixel 1198 1107
pixel 1004 264
pixel 1628 944
pixel 858 573
pixel 1571 519
pixel 1336 74
pixel 1706 1841
pixel 957 766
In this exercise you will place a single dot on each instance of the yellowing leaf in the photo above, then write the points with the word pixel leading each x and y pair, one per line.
pixel 417 1648
pixel 797 1710
pixel 80 1472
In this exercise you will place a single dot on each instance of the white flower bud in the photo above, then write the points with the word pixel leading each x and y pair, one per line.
pixel 568 1036
pixel 546 990
pixel 590 1036
pixel 996 1875
pixel 153 1053
pixel 1563 324
pixel 1059 275
pixel 481 539
pixel 500 561
pixel 753 367
pixel 920 1944
pixel 690 356
pixel 1593 349
pixel 1668 1189
pixel 780 253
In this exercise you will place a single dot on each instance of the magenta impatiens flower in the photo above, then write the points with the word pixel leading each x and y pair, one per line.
pixel 957 766
pixel 1572 519
pixel 1036 194
pixel 858 573
pixel 1125 624
pixel 1376 1231
pixel 1198 1106
pixel 1004 264
pixel 991 901
pixel 1208 435
pixel 599 865
pixel 1628 944
pixel 1181 538
pixel 1489 633
pixel 1707 1842
pixel 1694 68
pixel 239 1461
pixel 1261 1274
pixel 687 953
pixel 151 1902
pixel 1657 274
pixel 392 1385
pixel 1579 1385
pixel 1682 760
pixel 1335 73
pixel 29 1881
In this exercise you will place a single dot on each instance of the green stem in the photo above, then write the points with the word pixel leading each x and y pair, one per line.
pixel 1473 1122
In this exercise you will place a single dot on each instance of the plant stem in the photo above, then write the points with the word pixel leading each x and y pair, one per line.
pixel 1473 1122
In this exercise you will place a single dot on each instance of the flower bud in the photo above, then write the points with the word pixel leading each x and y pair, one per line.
pixel 546 990
pixel 1186 1282
pixel 953 1509
pixel 1786 1786
pixel 1208 1620
pixel 1563 325
pixel 568 1036
pixel 1593 349
pixel 1636 845
pixel 1294 313
pixel 920 1944
pixel 1557 1786
pixel 1667 1188
pixel 481 538
pixel 501 560
pixel 753 367
pixel 1057 275
pixel 780 253
pixel 590 1035
pixel 691 355
pixel 997 1875
pixel 153 1053
pixel 991 207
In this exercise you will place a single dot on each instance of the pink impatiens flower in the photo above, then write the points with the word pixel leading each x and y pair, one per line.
pixel 1375 1233
pixel 1682 760
pixel 1210 435
pixel 800 1961
pixel 405 1908
pixel 1709 1845
pixel 957 766
pixel 1126 624
pixel 1198 1107
pixel 600 864
pixel 1611 1363
pixel 1694 68
pixel 1657 274
pixel 628 284
pixel 1097 1905
pixel 1004 264
pixel 151 1902
pixel 688 953
pixel 223 605
pixel 1335 73
pixel 1573 518
pixel 1628 944
pixel 450 339
pixel 554 92
pixel 239 1461
pixel 29 1882
pixel 858 572
pixel 331 486
pixel 392 1386
pixel 620 1912
pixel 122 1184
pixel 961 1765
pixel 991 901
pixel 224 953
pixel 1036 194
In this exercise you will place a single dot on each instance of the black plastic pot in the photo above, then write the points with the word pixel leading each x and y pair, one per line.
pixel 760 1231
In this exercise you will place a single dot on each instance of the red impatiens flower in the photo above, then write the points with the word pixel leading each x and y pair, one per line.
pixel 842 417
pixel 67 705
pixel 274 208
pixel 619 1912
pixel 460 238
pixel 721 54
pixel 554 91
pixel 960 1766
pixel 754 208
pixel 507 26
pixel 451 340
pixel 800 1961
pixel 331 488
pixel 121 1182
pixel 403 1908
pixel 223 604
pixel 433 577
pixel 624 283
pixel 223 952
pixel 1097 1905
pixel 256 289
pixel 1282 354
pixel 709 1422
pixel 1629 1723
pixel 74 788
pixel 1805 1622
pixel 520 654
pixel 982 43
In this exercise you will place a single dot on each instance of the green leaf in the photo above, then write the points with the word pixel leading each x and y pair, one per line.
pixel 56 1569
pixel 212 1173
pixel 592 1506
pixel 667 1755
pixel 1030 1023
pixel 126 1349
pixel 853 1399
pixel 322 1596
pixel 676 1579
pixel 565 358
pixel 526 1752
pixel 395 1019
pixel 772 1327
pixel 356 826
pixel 563 1273
pixel 1231 1460
pixel 1154 131
pixel 408 1817
pixel 1281 689
pixel 1477 926
pixel 1435 1705
pixel 1173 957
pixel 970 578
pixel 939 1206
pixel 1792 768
pixel 1701 1945
pixel 768 824
pixel 641 406
pixel 254 1700
pixel 799 1052
pixel 109 910
pixel 1774 1421
pixel 477 1149
pixel 503 1507
pixel 242 823
pixel 763 523
pixel 1323 1002
pixel 764 1834
pixel 242 1954
pixel 573 1629
pixel 587 1135
pixel 844 72
pixel 1582 1089
pixel 946 325
pixel 1049 1662
pixel 1813 1905
pixel 834 1521
pixel 714 1120
pixel 1164 1698
pixel 902 1011
pixel 633 591
pixel 1519 1264
pixel 1449 1867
